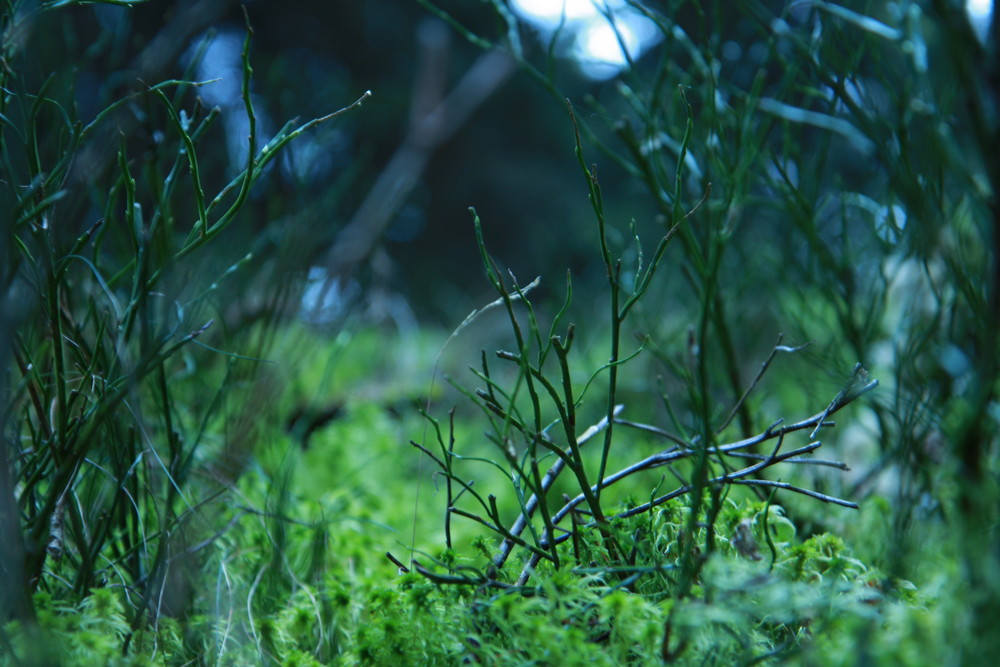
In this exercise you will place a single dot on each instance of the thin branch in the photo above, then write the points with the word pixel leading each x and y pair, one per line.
pixel 806 492
pixel 395 561
pixel 550 477
pixel 855 387
pixel 778 347
pixel 655 430
pixel 843 398
pixel 813 462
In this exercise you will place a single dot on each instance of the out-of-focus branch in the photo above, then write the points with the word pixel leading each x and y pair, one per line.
pixel 432 122
pixel 152 64
pixel 188 19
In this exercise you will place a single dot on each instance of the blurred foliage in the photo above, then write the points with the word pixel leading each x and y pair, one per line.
pixel 842 170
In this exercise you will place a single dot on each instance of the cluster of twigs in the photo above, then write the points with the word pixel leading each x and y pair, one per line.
pixel 500 406
pixel 543 546
pixel 713 466
pixel 551 400
pixel 97 454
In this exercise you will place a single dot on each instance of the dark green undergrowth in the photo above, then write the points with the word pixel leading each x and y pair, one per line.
pixel 763 431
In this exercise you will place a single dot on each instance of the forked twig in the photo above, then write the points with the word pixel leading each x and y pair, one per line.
pixel 778 347
pixel 550 477
pixel 855 386
pixel 667 457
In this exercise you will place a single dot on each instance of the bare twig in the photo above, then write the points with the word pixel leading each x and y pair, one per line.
pixel 395 561
pixel 778 347
pixel 812 462
pixel 655 430
pixel 806 492
pixel 843 398
pixel 855 386
pixel 550 477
